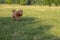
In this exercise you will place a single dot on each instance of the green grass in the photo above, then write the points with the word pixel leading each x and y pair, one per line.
pixel 37 23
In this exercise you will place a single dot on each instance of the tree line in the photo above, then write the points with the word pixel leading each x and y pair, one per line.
pixel 31 2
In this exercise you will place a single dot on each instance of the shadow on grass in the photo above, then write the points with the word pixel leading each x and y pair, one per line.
pixel 28 28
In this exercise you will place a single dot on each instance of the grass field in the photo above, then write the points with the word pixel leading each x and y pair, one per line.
pixel 37 23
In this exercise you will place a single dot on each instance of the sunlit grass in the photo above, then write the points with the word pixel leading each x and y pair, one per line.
pixel 37 23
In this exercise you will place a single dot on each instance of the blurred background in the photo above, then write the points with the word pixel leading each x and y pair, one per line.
pixel 32 2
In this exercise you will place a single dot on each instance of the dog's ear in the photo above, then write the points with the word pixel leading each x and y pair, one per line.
pixel 21 10
pixel 13 10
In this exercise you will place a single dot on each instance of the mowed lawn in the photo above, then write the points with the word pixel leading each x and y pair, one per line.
pixel 37 23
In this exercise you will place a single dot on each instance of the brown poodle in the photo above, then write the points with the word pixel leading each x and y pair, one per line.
pixel 17 14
